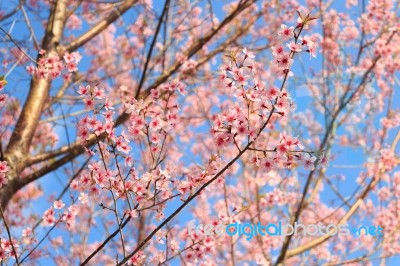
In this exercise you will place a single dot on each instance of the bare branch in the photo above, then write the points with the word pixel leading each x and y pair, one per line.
pixel 166 6
pixel 17 45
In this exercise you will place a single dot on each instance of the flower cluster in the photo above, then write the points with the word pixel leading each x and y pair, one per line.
pixel 3 97
pixel 189 67
pixel 3 170
pixel 283 58
pixel 95 125
pixel 154 121
pixel 48 217
pixel 28 236
pixel 260 105
pixel 287 154
pixel 138 259
pixel 7 248
pixel 51 66
pixel 91 94
pixel 68 216
pixel 171 87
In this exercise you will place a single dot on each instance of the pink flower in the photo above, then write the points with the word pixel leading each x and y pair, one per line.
pixel 68 57
pixel 6 245
pixel 134 106
pixel 156 124
pixel 108 105
pixel 75 185
pixel 135 132
pixel 240 77
pixel 282 149
pixel 83 133
pixel 183 187
pixel 138 259
pixel 248 54
pixel 84 90
pixel 272 93
pixel 128 161
pixel 282 104
pixel 121 145
pixel 58 204
pixel 294 47
pixel 89 102
pixel 3 98
pixel 308 161
pixel 77 56
pixel 266 164
pixel 31 69
pixel 3 179
pixel 278 51
pixel 83 198
pixel 223 139
pixel 98 93
pixel 95 167
pixel 284 61
pixel 48 217
pixel 306 41
pixel 139 189
pixel 312 50
pixel 3 167
pixel 324 161
pixel 285 32
pixel 27 232
pixel 94 191
pixel 72 67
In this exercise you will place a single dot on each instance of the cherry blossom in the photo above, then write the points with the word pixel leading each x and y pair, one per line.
pixel 3 167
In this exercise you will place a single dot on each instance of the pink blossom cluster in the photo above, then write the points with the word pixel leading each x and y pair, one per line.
pixel 257 102
pixel 152 123
pixel 94 124
pixel 138 259
pixel 392 121
pixel 3 97
pixel 51 66
pixel 7 249
pixel 188 67
pixel 68 216
pixel 171 87
pixel 197 178
pixel 283 59
pixel 204 246
pixel 95 180
pixel 156 121
pixel 3 171
pixel 28 236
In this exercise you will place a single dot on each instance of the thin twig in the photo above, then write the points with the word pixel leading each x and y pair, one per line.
pixel 9 235
pixel 166 6
pixel 17 45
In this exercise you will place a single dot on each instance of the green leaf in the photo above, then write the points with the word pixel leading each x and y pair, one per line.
pixel 2 78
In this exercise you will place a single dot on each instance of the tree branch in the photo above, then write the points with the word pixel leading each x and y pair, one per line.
pixel 160 20
pixel 76 149
pixel 21 138
pixel 350 212
pixel 99 27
